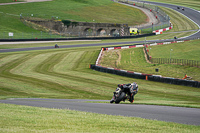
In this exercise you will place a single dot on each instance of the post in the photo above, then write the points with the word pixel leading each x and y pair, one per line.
pixel 170 55
pixel 149 51
pixel 41 34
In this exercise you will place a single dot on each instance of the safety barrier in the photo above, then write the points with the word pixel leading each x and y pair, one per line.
pixel 149 77
pixel 137 75
pixel 73 38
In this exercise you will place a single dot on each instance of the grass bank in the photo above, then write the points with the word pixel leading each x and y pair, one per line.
pixel 10 1
pixel 99 11
pixel 134 60
pixel 15 118
pixel 65 73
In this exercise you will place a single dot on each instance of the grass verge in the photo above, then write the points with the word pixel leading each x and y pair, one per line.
pixel 100 11
pixel 65 73
pixel 134 60
pixel 15 118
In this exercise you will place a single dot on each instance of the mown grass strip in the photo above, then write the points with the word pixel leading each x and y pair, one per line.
pixel 65 73
pixel 101 11
pixel 15 118
pixel 180 22
pixel 134 60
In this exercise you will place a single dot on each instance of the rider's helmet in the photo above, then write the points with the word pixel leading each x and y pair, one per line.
pixel 134 88
pixel 120 85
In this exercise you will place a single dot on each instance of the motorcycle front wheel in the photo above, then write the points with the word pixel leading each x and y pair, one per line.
pixel 121 97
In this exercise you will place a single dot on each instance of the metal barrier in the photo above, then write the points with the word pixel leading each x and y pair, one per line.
pixel 184 62
pixel 38 38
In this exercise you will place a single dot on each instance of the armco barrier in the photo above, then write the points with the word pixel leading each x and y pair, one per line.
pixel 78 38
pixel 146 76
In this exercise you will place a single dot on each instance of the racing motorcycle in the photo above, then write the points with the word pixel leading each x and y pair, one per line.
pixel 56 46
pixel 125 91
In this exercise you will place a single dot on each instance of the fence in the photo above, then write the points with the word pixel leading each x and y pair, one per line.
pixel 44 35
pixel 144 76
pixel 185 62
pixel 31 35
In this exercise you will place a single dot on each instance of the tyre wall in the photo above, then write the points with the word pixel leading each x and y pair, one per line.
pixel 146 76
pixel 137 75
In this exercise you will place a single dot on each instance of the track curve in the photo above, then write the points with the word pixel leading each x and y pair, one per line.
pixel 190 13
pixel 164 113
pixel 181 115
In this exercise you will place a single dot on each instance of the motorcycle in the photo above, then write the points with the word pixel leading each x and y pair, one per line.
pixel 125 91
pixel 56 46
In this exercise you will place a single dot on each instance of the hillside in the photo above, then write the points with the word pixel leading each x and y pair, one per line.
pixel 134 60
pixel 100 11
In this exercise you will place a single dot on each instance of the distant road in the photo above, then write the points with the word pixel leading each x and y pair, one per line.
pixel 190 13
pixel 64 46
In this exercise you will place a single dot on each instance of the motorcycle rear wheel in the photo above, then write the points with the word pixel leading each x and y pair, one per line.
pixel 119 99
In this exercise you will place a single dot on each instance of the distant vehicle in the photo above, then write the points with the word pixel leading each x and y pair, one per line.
pixel 133 31
pixel 178 7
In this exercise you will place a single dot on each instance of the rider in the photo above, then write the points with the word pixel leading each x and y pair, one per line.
pixel 56 46
pixel 129 88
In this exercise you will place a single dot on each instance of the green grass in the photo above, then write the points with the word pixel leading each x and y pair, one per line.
pixel 65 73
pixel 104 11
pixel 191 50
pixel 134 60
pixel 23 119
pixel 86 11
pixel 9 1
pixel 180 22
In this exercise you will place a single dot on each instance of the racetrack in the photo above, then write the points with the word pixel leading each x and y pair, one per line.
pixel 163 113
pixel 182 115
pixel 190 13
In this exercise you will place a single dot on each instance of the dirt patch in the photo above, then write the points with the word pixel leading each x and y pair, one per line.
pixel 146 56
pixel 119 57
pixel 113 56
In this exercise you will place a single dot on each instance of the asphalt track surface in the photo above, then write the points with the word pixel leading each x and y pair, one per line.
pixel 182 115
pixel 192 14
